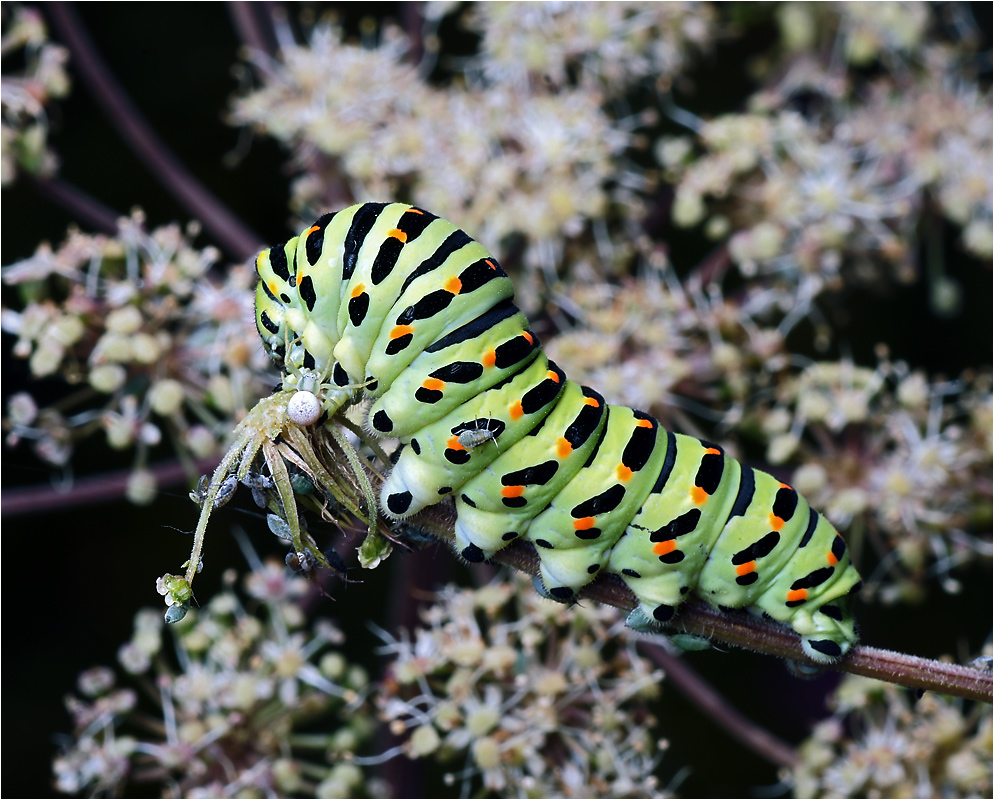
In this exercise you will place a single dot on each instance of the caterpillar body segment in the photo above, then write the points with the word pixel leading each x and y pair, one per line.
pixel 436 457
pixel 390 301
pixel 669 541
pixel 577 531
pixel 436 382
pixel 498 505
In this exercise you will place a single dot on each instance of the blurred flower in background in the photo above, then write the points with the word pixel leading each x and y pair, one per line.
pixel 151 343
pixel 520 694
pixel 221 704
pixel 883 742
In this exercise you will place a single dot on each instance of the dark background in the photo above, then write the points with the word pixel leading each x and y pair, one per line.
pixel 74 578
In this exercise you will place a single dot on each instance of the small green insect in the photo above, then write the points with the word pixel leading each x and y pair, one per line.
pixel 389 302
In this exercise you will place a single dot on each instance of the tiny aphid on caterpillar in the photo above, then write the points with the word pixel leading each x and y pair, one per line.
pixel 390 302
pixel 478 432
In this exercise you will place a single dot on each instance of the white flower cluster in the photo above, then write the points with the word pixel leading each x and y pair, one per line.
pixel 540 699
pixel 139 319
pixel 24 95
pixel 899 746
pixel 836 193
pixel 515 149
pixel 244 680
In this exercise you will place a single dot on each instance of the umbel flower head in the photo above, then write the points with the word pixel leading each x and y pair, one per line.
pixel 225 695
pixel 521 694
pixel 151 344
pixel 895 745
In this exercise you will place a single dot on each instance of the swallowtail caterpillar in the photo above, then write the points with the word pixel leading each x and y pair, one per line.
pixel 388 301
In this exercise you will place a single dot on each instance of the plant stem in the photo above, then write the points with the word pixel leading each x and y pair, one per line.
pixel 728 719
pixel 97 489
pixel 226 228
pixel 740 629
pixel 81 206
pixel 254 25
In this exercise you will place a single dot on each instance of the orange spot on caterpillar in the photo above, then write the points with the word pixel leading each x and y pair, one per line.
pixel 401 330
pixel 398 234
pixel 785 486
pixel 359 289
pixel 712 451
pixel 552 376
pixel 413 210
pixel 584 523
pixel 528 337
pixel 745 569
pixel 453 285
pixel 491 264
pixel 433 384
pixel 311 230
pixel 663 548
pixel 453 444
pixel 797 594
pixel 563 447
pixel 489 358
pixel 832 560
pixel 643 423
pixel 516 411
pixel 591 401
pixel 274 287
pixel 775 522
pixel 624 473
pixel 513 491
pixel 698 496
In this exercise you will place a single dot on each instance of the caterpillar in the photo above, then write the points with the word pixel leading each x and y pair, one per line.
pixel 390 302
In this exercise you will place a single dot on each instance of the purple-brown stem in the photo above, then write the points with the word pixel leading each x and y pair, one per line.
pixel 699 692
pixel 698 618
pixel 80 205
pixel 97 489
pixel 226 228
pixel 254 25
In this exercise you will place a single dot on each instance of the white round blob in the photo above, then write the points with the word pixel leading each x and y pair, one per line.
pixel 304 408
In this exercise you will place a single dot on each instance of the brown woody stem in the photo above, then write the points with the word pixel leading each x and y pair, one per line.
pixel 698 618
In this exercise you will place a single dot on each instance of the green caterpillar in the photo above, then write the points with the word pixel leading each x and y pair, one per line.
pixel 389 301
